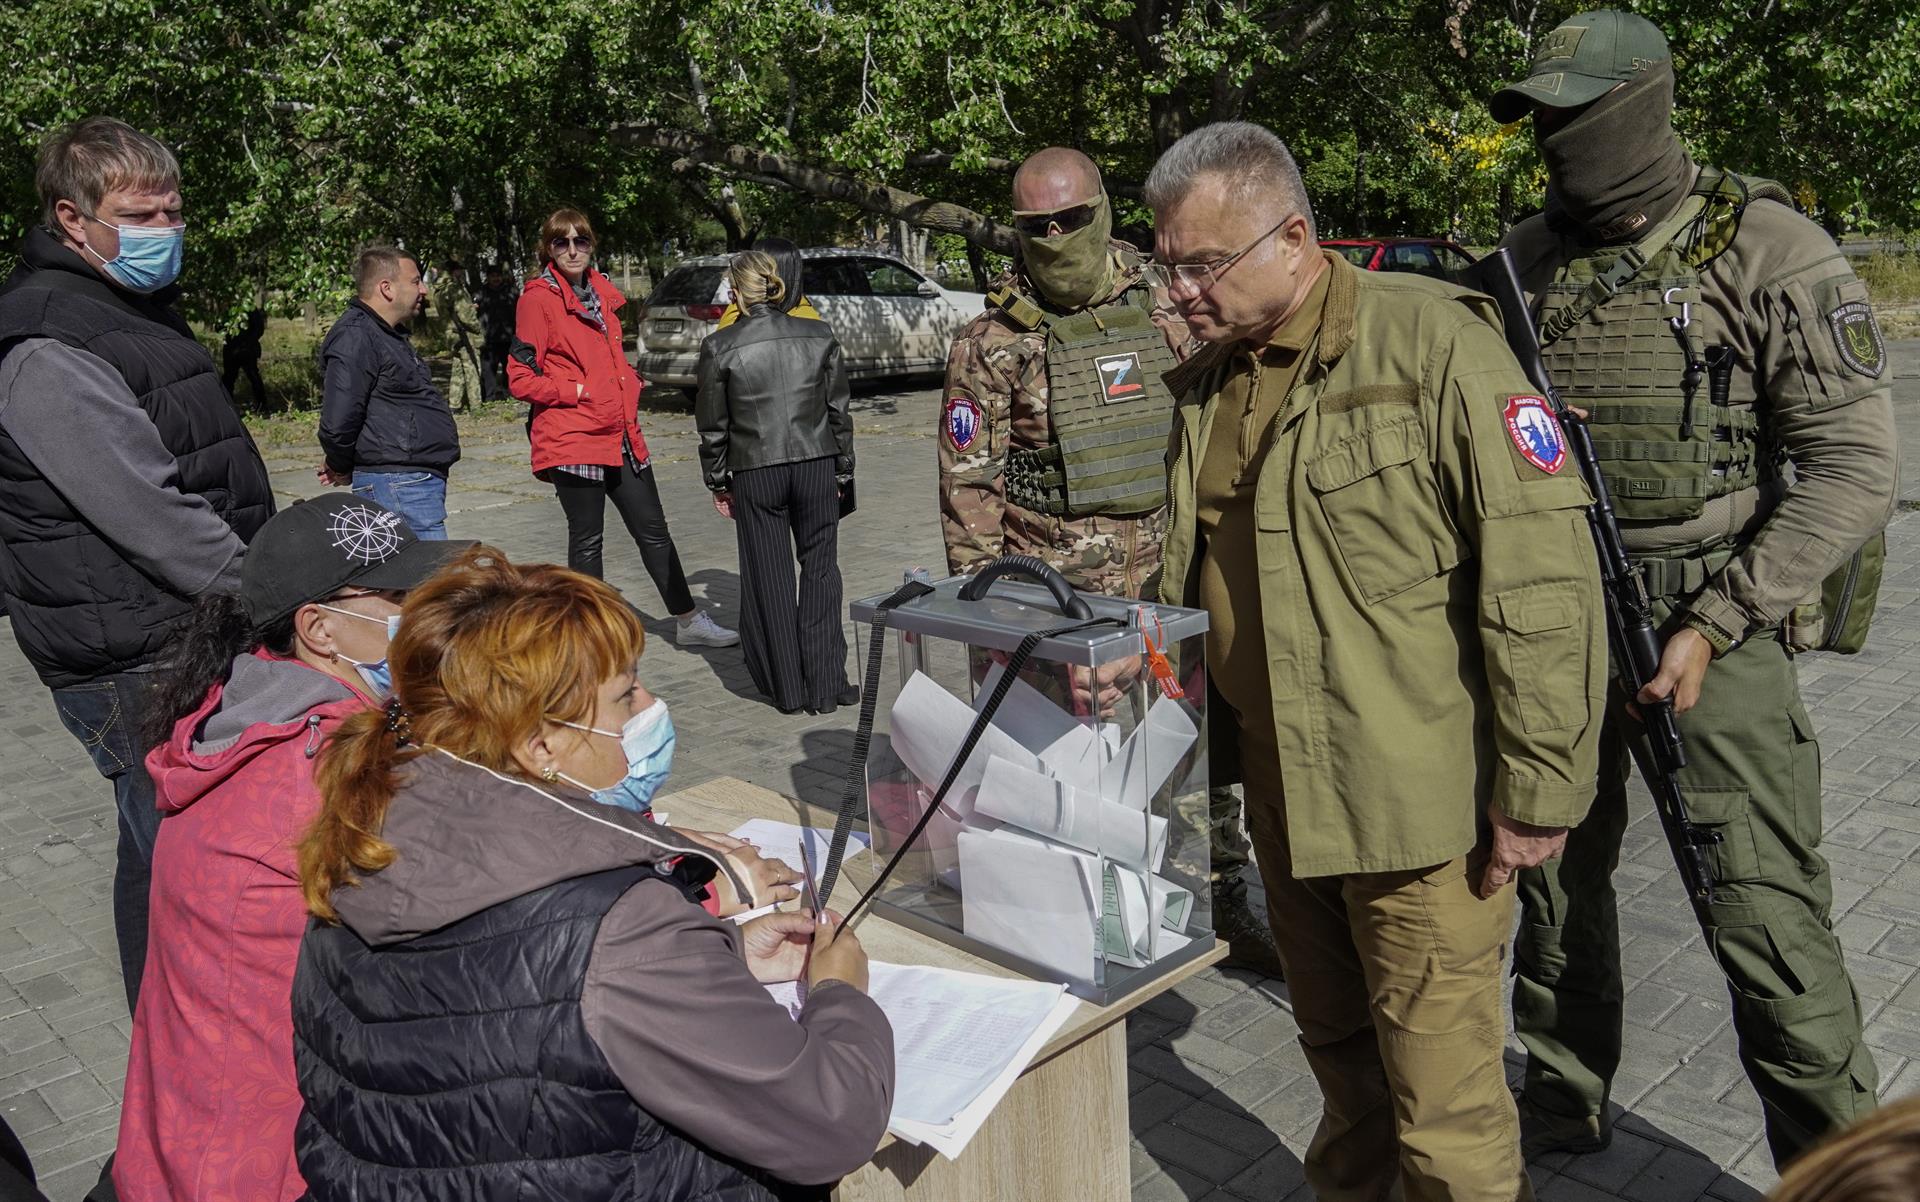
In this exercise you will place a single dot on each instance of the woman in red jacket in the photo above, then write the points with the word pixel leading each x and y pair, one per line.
pixel 569 363
pixel 256 683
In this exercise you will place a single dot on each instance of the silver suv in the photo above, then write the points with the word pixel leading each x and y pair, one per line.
pixel 890 319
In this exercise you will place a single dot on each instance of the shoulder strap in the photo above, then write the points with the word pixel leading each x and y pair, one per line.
pixel 1606 284
pixel 1018 308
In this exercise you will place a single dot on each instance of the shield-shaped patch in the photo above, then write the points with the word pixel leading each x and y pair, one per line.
pixel 1857 335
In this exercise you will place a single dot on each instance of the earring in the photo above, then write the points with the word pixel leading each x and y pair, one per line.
pixel 549 774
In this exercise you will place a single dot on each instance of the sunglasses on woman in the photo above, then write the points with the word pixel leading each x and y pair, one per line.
pixel 563 242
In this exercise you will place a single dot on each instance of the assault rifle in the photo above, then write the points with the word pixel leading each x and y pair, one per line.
pixel 1630 626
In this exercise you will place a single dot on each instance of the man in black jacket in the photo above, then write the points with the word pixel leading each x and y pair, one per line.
pixel 128 485
pixel 385 430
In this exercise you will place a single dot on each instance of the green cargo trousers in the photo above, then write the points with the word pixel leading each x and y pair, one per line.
pixel 1753 773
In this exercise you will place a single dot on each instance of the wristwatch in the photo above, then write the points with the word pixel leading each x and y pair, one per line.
pixel 1708 629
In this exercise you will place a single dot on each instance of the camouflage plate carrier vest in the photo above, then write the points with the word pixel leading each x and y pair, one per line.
pixel 1615 339
pixel 1109 411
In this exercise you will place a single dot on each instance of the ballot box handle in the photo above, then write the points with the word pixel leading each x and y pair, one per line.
pixel 1070 603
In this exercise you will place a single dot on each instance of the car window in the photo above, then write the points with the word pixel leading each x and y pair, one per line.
pixel 1359 256
pixel 890 279
pixel 688 286
pixel 836 277
pixel 1452 260
pixel 1412 256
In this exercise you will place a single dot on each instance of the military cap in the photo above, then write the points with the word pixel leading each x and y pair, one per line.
pixel 1582 59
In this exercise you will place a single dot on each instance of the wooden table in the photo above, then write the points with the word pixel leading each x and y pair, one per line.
pixel 1061 1131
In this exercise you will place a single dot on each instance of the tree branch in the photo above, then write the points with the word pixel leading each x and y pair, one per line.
pixel 868 196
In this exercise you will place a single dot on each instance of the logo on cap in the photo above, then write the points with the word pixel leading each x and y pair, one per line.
pixel 1561 43
pixel 368 535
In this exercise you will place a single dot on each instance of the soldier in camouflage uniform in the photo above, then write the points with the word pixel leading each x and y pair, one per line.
pixel 997 411
pixel 458 316
pixel 1713 336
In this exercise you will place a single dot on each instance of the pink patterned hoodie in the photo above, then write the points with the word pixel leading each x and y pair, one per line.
pixel 210 1098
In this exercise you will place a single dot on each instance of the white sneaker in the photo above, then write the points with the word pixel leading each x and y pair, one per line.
pixel 702 631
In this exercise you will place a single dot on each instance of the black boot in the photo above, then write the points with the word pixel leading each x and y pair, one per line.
pixel 1249 942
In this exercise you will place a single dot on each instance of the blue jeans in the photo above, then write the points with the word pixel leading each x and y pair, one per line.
pixel 419 497
pixel 106 715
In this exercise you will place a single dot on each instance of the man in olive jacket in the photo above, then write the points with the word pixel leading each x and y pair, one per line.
pixel 1382 520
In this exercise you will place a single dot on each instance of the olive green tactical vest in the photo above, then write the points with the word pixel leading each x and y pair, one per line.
pixel 1107 407
pixel 1619 342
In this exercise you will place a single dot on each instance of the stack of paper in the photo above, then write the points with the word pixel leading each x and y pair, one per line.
pixel 960 1040
pixel 781 841
pixel 1048 831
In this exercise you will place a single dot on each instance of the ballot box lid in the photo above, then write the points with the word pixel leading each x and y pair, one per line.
pixel 1013 609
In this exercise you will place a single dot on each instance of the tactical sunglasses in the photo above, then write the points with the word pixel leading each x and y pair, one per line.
pixel 1038 224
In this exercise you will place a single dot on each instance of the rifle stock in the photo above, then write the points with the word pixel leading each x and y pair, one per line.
pixel 1630 627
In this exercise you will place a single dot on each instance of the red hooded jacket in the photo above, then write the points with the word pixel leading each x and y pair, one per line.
pixel 211 1098
pixel 569 348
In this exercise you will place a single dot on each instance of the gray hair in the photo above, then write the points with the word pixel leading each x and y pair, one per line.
pixel 1254 162
pixel 84 161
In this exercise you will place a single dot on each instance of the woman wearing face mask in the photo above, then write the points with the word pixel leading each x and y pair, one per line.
pixel 511 991
pixel 249 690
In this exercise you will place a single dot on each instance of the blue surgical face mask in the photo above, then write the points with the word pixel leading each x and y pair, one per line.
pixel 376 673
pixel 647 738
pixel 149 257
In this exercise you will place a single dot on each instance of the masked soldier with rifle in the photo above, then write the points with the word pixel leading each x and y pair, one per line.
pixel 1712 337
pixel 1053 433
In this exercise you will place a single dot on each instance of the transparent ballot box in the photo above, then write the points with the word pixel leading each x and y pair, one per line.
pixel 1071 843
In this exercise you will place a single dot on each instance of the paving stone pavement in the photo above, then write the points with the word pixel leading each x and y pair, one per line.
pixel 1222 1102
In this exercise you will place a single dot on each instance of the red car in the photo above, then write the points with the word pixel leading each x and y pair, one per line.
pixel 1437 257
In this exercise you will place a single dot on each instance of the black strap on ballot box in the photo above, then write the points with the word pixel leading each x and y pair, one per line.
pixel 856 768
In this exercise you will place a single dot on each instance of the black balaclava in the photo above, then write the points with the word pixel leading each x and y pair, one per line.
pixel 1618 169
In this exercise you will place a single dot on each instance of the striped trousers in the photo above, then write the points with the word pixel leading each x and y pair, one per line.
pixel 794 645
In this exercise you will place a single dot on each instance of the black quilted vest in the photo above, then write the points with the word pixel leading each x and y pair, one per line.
pixel 80 610
pixel 456 1065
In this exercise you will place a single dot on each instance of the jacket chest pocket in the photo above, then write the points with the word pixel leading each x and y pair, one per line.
pixel 1382 507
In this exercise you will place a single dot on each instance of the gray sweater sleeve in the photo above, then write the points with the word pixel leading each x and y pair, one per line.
pixel 75 418
pixel 700 1045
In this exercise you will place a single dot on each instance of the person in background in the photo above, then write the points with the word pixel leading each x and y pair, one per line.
pixel 241 353
pixel 495 305
pixel 776 448
pixel 490 941
pixel 569 363
pixel 385 430
pixel 454 307
pixel 128 485
pixel 256 681
pixel 792 270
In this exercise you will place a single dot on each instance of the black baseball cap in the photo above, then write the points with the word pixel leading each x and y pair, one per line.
pixel 312 549
pixel 1582 59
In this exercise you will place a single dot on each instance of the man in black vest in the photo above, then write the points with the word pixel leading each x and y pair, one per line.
pixel 128 485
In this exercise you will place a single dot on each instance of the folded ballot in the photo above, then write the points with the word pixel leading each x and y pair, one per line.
pixel 1045 806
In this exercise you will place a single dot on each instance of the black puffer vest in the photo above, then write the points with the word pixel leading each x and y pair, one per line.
pixel 457 1066
pixel 80 610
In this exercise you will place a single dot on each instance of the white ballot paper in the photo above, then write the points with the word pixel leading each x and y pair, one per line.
pixel 781 841
pixel 960 1040
pixel 926 728
pixel 1053 808
pixel 1152 751
pixel 1030 897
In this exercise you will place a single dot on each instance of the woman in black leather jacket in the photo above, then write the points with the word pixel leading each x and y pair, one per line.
pixel 776 448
